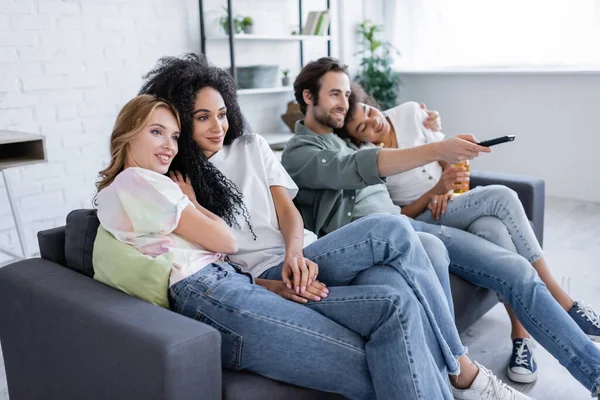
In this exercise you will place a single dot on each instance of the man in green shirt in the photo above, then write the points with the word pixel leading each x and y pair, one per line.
pixel 339 183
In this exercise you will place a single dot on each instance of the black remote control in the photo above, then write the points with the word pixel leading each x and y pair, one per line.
pixel 493 142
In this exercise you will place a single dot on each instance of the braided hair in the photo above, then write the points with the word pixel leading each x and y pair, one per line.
pixel 178 80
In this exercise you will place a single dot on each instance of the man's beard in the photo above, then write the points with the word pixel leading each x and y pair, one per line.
pixel 325 118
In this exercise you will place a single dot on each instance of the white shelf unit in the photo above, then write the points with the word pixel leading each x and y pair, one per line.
pixel 281 89
pixel 275 140
pixel 267 37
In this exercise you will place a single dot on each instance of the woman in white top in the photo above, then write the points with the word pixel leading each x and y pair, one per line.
pixel 493 212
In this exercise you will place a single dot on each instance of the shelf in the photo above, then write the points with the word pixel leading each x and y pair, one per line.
pixel 277 141
pixel 18 149
pixel 282 89
pixel 272 37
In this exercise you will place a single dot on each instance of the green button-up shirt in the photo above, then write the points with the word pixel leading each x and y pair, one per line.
pixel 329 172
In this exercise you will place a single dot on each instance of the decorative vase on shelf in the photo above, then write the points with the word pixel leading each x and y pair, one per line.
pixel 292 115
pixel 285 80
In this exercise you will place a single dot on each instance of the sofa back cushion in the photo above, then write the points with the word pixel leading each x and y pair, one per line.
pixel 80 234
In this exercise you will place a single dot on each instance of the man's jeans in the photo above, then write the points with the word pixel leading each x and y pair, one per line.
pixel 517 283
pixel 363 341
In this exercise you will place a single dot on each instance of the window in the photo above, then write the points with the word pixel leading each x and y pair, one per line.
pixel 436 34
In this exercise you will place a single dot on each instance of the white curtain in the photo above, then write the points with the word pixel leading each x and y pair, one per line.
pixel 434 34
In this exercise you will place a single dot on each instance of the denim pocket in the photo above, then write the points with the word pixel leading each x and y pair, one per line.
pixel 231 342
pixel 209 278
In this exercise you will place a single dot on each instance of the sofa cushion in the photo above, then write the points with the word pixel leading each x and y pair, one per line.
pixel 80 234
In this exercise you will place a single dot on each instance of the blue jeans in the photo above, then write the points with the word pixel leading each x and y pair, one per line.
pixel 495 213
pixel 511 276
pixel 363 341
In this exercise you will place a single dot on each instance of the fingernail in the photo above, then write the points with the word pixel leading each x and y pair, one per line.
pixel 323 295
pixel 326 290
pixel 302 289
pixel 316 298
pixel 297 289
pixel 288 286
pixel 309 282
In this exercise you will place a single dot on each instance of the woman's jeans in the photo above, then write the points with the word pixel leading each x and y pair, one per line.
pixel 495 213
pixel 511 275
pixel 391 340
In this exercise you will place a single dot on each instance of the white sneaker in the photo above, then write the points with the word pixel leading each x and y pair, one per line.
pixel 489 387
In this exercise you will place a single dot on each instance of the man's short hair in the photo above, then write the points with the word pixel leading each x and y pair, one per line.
pixel 310 78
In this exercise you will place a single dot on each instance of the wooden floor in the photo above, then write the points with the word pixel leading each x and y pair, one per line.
pixel 572 249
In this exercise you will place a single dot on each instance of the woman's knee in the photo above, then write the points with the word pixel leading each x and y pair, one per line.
pixel 436 250
pixel 494 231
pixel 388 223
pixel 502 194
pixel 394 302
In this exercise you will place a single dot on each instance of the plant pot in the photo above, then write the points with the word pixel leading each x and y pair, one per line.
pixel 285 81
pixel 257 76
pixel 292 115
pixel 249 29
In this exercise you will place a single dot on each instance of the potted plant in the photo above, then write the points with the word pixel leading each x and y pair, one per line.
pixel 376 75
pixel 248 25
pixel 224 22
pixel 285 80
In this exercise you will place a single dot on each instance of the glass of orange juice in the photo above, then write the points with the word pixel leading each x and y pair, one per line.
pixel 467 165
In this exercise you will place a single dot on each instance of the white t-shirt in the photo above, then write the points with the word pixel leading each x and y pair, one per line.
pixel 252 166
pixel 407 119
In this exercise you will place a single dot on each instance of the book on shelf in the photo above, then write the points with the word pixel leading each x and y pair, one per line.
pixel 317 23
pixel 322 24
pixel 311 23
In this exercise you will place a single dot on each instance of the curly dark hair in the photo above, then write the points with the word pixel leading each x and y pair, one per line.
pixel 178 80
pixel 310 78
pixel 357 95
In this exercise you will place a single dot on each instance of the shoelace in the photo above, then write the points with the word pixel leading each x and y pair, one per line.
pixel 521 354
pixel 587 311
pixel 497 388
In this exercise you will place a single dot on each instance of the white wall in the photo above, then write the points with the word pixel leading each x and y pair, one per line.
pixel 66 68
pixel 552 114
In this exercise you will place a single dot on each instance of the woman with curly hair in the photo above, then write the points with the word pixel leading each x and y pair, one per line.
pixel 387 290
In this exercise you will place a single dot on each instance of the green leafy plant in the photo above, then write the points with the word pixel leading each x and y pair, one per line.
pixel 376 75
pixel 285 72
pixel 247 21
pixel 237 22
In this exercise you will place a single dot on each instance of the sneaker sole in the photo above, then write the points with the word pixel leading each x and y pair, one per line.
pixel 594 338
pixel 520 378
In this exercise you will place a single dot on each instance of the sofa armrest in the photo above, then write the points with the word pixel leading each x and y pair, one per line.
pixel 66 336
pixel 52 245
pixel 531 191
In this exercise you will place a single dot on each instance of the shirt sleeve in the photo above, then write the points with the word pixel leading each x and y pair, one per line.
pixel 276 174
pixel 140 202
pixel 314 166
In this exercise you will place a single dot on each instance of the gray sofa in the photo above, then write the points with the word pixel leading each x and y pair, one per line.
pixel 65 336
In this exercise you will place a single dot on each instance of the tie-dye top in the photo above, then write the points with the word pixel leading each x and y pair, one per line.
pixel 142 208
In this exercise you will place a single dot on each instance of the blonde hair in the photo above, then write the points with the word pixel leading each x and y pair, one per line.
pixel 132 118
